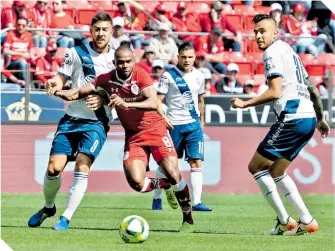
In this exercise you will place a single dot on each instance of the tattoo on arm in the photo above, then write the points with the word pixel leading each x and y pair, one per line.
pixel 315 98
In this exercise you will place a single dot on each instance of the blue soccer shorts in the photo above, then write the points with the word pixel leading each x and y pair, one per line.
pixel 286 139
pixel 188 138
pixel 75 136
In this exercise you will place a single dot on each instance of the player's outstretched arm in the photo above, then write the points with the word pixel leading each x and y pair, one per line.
pixel 273 93
pixel 75 94
pixel 322 125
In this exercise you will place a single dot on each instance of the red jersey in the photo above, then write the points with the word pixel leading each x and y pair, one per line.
pixel 9 17
pixel 18 43
pixel 207 24
pixel 130 90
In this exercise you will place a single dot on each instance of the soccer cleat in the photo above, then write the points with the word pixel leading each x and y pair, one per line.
pixel 280 229
pixel 171 198
pixel 62 224
pixel 201 207
pixel 303 228
pixel 37 219
pixel 157 204
pixel 187 228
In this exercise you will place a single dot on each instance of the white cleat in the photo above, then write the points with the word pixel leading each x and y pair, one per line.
pixel 303 228
pixel 280 229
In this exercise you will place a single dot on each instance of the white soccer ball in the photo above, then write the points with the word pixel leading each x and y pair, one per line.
pixel 134 229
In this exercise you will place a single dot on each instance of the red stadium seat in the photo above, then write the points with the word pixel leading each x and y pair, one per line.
pixel 307 58
pixel 253 47
pixel 102 5
pixel 81 4
pixel 244 9
pixel 248 24
pixel 60 54
pixel 6 4
pixel 236 20
pixel 40 52
pixel 227 9
pixel 259 79
pixel 260 68
pixel 31 4
pixel 245 67
pixel 198 8
pixel 326 58
pixel 256 57
pixel 263 9
pixel 149 5
pixel 315 69
pixel 243 78
pixel 84 16
pixel 70 12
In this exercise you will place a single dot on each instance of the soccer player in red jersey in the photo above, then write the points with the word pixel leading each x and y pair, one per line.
pixel 131 92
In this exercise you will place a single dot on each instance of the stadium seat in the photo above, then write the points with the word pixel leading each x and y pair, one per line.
pixel 84 16
pixel 102 5
pixel 236 20
pixel 198 8
pixel 81 4
pixel 315 69
pixel 244 9
pixel 138 54
pixel 245 67
pixel 149 5
pixel 227 9
pixel 307 58
pixel 326 58
pixel 60 54
pixel 71 12
pixel 259 79
pixel 263 9
pixel 260 68
pixel 40 52
pixel 243 78
pixel 253 47
pixel 31 4
pixel 248 24
pixel 6 4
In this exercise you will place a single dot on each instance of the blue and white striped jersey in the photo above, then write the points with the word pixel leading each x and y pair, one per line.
pixel 82 65
pixel 280 60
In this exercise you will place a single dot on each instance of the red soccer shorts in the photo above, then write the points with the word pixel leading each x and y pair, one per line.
pixel 155 140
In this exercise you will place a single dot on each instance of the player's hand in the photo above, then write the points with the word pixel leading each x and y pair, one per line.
pixel 51 87
pixel 94 102
pixel 116 101
pixel 323 128
pixel 237 103
pixel 169 126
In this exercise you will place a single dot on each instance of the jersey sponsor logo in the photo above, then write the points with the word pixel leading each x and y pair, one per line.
pixel 269 64
pixel 135 89
pixel 91 66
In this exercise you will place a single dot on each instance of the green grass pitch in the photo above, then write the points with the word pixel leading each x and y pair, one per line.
pixel 238 222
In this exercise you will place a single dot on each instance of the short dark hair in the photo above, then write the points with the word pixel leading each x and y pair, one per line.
pixel 185 47
pixel 260 17
pixel 122 48
pixel 22 18
pixel 126 43
pixel 101 16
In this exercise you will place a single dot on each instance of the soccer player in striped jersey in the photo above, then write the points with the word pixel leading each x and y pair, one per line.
pixel 82 131
pixel 298 107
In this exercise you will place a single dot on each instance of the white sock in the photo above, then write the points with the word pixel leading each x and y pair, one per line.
pixel 196 185
pixel 180 186
pixel 51 186
pixel 159 192
pixel 269 190
pixel 290 190
pixel 76 193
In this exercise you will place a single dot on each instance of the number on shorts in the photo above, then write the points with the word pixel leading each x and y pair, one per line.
pixel 167 141
pixel 201 147
pixel 94 146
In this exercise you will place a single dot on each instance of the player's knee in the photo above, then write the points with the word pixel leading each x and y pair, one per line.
pixel 54 168
pixel 83 163
pixel 253 167
pixel 276 172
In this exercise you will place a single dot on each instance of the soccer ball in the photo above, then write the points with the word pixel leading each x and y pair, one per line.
pixel 134 229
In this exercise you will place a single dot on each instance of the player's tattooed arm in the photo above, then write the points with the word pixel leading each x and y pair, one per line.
pixel 201 105
pixel 315 98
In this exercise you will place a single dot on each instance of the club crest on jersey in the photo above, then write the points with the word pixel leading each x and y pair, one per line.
pixel 135 89
pixel 187 96
pixel 269 64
